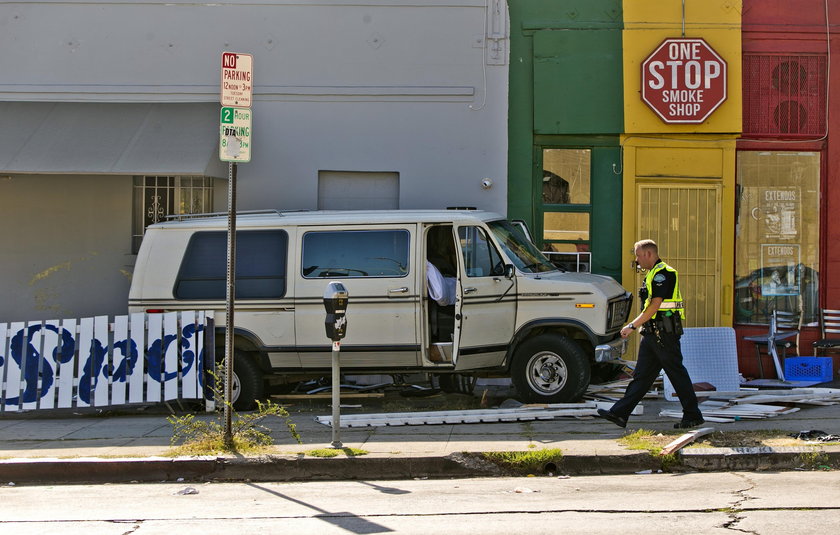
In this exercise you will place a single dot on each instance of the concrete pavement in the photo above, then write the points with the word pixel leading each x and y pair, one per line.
pixel 132 445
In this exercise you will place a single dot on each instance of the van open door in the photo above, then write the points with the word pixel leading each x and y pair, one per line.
pixel 485 311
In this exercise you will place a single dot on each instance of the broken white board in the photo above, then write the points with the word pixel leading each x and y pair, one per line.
pixel 710 355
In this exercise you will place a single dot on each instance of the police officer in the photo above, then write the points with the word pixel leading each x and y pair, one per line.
pixel 661 327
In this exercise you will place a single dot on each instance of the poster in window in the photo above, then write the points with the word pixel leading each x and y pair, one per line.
pixel 780 208
pixel 779 269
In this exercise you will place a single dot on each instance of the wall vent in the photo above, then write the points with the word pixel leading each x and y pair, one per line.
pixel 784 96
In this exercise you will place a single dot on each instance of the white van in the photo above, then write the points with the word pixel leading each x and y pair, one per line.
pixel 513 313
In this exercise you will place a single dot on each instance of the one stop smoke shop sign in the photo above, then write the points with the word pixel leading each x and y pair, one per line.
pixel 684 80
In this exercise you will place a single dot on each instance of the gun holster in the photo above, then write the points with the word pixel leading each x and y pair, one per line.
pixel 670 323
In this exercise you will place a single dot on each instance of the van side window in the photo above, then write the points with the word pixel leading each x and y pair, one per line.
pixel 260 265
pixel 355 253
pixel 481 259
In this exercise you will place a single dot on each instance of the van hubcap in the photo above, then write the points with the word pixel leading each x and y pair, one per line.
pixel 235 387
pixel 547 372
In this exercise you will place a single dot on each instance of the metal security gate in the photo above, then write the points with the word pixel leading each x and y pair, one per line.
pixel 91 362
pixel 685 221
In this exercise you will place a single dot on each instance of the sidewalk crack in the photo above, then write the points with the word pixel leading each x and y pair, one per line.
pixel 734 512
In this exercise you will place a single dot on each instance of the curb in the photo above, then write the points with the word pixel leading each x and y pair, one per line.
pixel 759 458
pixel 457 465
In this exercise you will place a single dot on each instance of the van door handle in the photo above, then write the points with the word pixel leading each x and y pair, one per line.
pixel 470 290
pixel 402 290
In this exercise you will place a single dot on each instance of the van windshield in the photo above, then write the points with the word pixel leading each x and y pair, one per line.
pixel 524 254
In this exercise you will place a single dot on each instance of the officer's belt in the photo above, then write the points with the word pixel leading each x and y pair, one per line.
pixel 671 305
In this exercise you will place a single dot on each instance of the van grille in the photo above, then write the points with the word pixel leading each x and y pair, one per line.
pixel 619 311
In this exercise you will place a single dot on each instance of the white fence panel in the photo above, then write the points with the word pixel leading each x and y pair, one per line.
pixel 29 396
pixel 17 343
pixel 89 362
pixel 66 365
pixel 120 358
pixel 154 360
pixel 84 341
pixel 46 394
pixel 137 375
pixel 170 356
pixel 100 352
pixel 193 344
pixel 4 356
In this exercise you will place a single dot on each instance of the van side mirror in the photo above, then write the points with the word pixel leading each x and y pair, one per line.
pixel 510 271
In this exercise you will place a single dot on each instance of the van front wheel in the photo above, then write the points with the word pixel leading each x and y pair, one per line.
pixel 550 368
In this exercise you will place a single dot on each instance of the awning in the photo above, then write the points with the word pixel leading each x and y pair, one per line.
pixel 105 138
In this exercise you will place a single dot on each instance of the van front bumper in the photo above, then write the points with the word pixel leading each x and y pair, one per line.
pixel 610 351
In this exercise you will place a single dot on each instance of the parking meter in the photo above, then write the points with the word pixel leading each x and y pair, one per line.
pixel 335 302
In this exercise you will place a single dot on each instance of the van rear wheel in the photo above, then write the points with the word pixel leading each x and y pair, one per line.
pixel 247 381
pixel 550 368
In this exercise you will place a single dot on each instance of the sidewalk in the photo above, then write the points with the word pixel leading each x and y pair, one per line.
pixel 71 447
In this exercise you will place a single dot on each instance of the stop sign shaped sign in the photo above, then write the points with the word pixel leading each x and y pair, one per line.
pixel 684 80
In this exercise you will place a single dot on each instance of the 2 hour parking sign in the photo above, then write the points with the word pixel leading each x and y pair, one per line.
pixel 684 80
pixel 235 135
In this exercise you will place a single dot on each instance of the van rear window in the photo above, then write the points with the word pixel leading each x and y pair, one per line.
pixel 260 265
pixel 355 253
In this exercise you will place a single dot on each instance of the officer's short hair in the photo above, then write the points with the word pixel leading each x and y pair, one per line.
pixel 646 244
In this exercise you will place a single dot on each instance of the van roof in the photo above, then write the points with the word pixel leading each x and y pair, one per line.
pixel 262 218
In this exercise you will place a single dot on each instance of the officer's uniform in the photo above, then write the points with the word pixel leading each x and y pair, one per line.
pixel 660 347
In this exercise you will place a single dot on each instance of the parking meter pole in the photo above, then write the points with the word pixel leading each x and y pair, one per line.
pixel 335 324
pixel 231 293
pixel 336 395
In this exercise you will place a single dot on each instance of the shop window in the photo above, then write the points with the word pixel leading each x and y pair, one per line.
pixel 156 197
pixel 566 207
pixel 784 95
pixel 777 235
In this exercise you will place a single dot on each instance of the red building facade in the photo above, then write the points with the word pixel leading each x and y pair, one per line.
pixel 788 171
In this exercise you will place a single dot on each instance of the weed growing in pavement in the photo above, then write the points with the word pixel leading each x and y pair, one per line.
pixel 645 439
pixel 527 462
pixel 653 442
pixel 194 436
pixel 333 452
pixel 815 460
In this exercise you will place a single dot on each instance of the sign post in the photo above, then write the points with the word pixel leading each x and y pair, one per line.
pixel 684 80
pixel 234 146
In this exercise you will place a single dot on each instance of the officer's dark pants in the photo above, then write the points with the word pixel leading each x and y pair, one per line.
pixel 654 357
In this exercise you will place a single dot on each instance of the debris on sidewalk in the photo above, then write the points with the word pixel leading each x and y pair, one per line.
pixel 813 436
pixel 724 407
pixel 615 390
pixel 186 491
pixel 685 440
pixel 724 411
pixel 520 413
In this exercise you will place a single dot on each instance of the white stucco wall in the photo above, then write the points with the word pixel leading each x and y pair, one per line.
pixel 66 245
pixel 398 86
pixel 390 85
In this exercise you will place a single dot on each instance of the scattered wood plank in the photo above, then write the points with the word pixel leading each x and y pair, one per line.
pixel 328 395
pixel 685 439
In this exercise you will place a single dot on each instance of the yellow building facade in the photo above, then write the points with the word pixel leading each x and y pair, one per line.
pixel 679 179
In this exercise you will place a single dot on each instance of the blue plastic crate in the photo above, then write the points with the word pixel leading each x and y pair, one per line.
pixel 809 369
